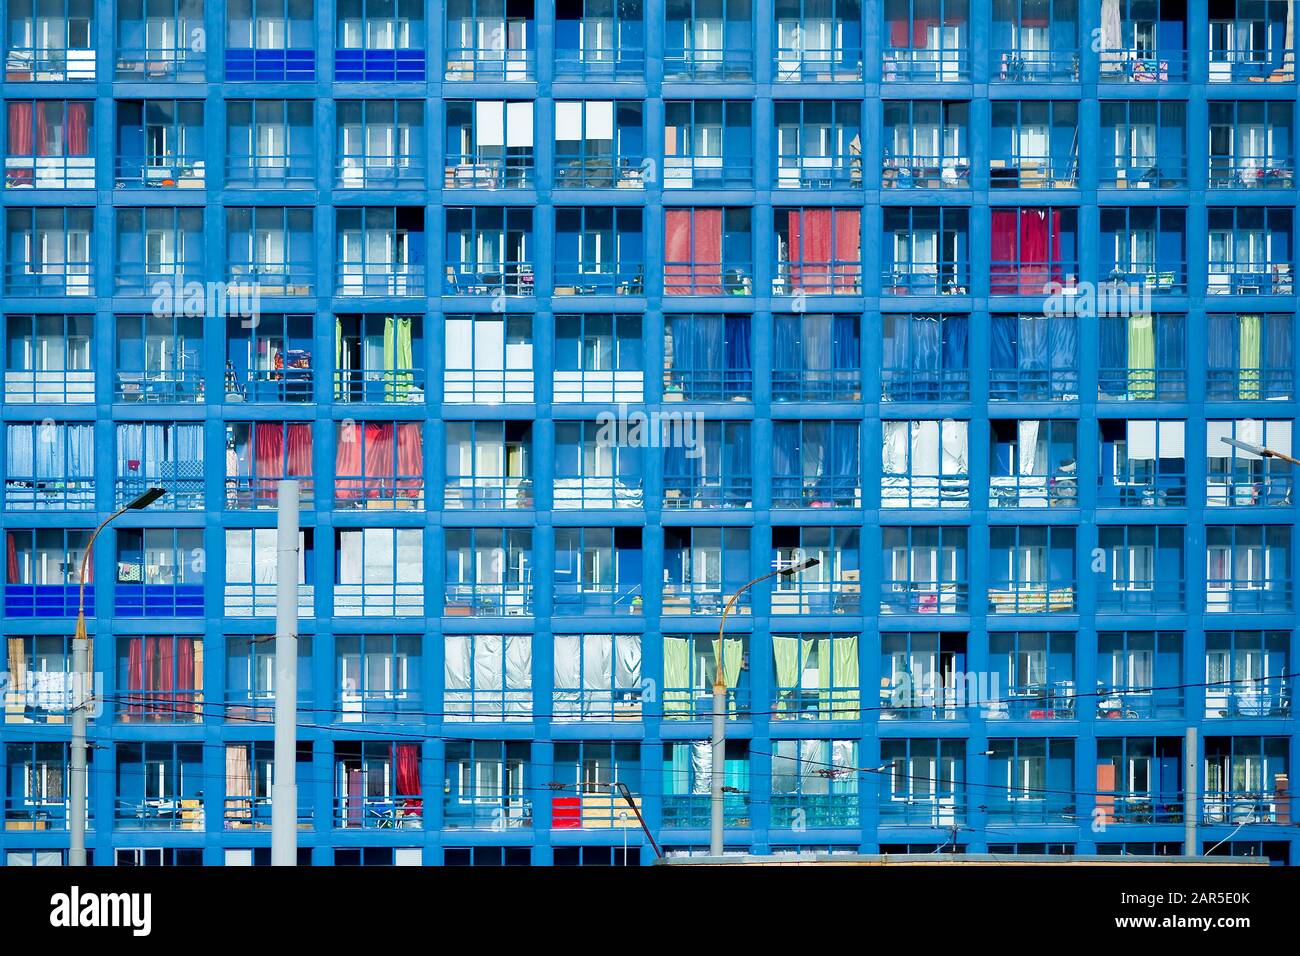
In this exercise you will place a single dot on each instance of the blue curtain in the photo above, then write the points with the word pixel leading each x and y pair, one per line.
pixel 1063 343
pixel 679 335
pixel 1033 342
pixel 1277 342
pixel 847 344
pixel 785 450
pixel 736 451
pixel 926 344
pixel 737 348
pixel 1114 342
pixel 21 462
pixel 954 333
pixel 1004 333
pixel 786 355
pixel 844 449
pixel 1169 343
pixel 709 337
pixel 678 465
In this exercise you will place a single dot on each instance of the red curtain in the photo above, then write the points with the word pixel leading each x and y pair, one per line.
pixel 298 450
pixel 165 654
pixel 381 459
pixel 810 249
pixel 1058 274
pixel 1033 251
pixel 1002 255
pixel 43 125
pixel 677 252
pixel 347 461
pixel 149 676
pixel 11 559
pixel 20 129
pixel 268 458
pixel 187 703
pixel 898 32
pixel 78 129
pixel 135 676
pixel 708 252
pixel 406 758
pixel 410 459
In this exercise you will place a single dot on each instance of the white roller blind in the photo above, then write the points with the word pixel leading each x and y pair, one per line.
pixel 489 123
pixel 568 121
pixel 519 124
pixel 1278 437
pixel 600 119
pixel 1141 441
pixel 1215 446
pixel 489 344
pixel 459 343
pixel 1171 440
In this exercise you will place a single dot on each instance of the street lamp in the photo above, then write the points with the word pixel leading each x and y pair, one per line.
pixel 1259 450
pixel 80 663
pixel 720 707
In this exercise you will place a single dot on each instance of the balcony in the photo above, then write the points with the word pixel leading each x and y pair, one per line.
pixel 49 64
pixel 816 809
pixel 379 66
pixel 597 492
pixel 1227 172
pixel 488 600
pixel 1140 808
pixel 1251 277
pixel 1031 599
pixel 379 813
pixel 1133 65
pixel 472 171
pixel 1029 811
pixel 581 598
pixel 818 64
pixel 1034 66
pixel 158 600
pixel 1034 491
pixel 49 172
pixel 254 813
pixel 399 385
pixel 249 492
pixel 923 811
pixel 490 492
pixel 49 494
pixel 816 491
pixel 1138 703
pixel 918 171
pixel 937 65
pixel 1040 702
pixel 690 811
pixel 50 279
pixel 709 278
pixel 379 278
pixel 184 493
pixel 388 172
pixel 1244 807
pixel 1041 171
pixel 487 813
pixel 152 63
pixel 170 171
pixel 922 597
pixel 599 278
pixel 258 600
pixel 49 386
pixel 270 66
pixel 1270 698
pixel 159 813
pixel 1249 491
pixel 38 815
pixel 386 600
pixel 705 491
pixel 270 171
pixel 707 65
pixel 45 600
pixel 477 277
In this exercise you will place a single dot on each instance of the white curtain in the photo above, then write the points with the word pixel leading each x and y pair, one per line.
pixel 955 447
pixel 627 661
pixel 519 674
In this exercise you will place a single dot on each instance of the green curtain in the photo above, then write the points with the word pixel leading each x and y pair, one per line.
pixel 338 358
pixel 399 358
pixel 733 655
pixel 1248 348
pixel 785 653
pixel 677 676
pixel 1141 356
pixel 677 770
pixel 846 676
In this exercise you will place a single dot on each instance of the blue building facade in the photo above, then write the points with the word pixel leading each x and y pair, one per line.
pixel 943 293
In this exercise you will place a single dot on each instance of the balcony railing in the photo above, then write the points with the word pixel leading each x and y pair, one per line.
pixel 49 494
pixel 488 600
pixel 180 171
pixel 50 279
pixel 387 600
pixel 399 385
pixel 923 811
pixel 50 172
pixel 837 277
pixel 708 66
pixel 1163 492
pixel 949 278
pixel 1034 66
pixel 617 704
pixel 600 278
pixel 818 65
pixel 598 807
pixel 254 813
pixel 183 493
pixel 474 172
pixel 1240 807
pixel 585 598
pixel 159 813
pixel 379 705
pixel 1032 599
pixel 922 597
pixel 158 600
pixel 620 172
pixel 487 491
pixel 171 385
pixel 1139 384
pixel 597 492
pixel 918 171
pixel 690 811
pixel 1154 278
pixel 487 706
pixel 1228 594
pixel 1259 173
pixel 160 707
pixel 48 64
pixel 246 492
pixel 708 172
pixel 377 278
pixel 841 171
pixel 1270 698
pixel 270 66
pixel 1250 278
pixel 708 384
pixel 1030 277
pixel 36 815
pixel 600 63
pixel 699 598
pixel 270 385
pixel 386 492
pixel 490 63
pixel 487 813
pixel 1142 172
pixel 1252 66
pixel 708 278
pixel 1033 172
pixel 926 66
pixel 1033 491
pixel 484 278
pixel 258 600
pixel 274 278
pixel 140 278
pixel 1228 491
pixel 172 63
pixel 940 704
pixel 1230 385
pixel 1034 385
pixel 816 491
pixel 815 809
pixel 1142 808
pixel 1028 811
pixel 379 813
pixel 816 385
pixel 829 703
pixel 1144 596
pixel 1138 703
pixel 269 170
pixel 706 492
pixel 840 596
pixel 925 491
pixel 1141 66
pixel 380 172
pixel 907 385
pixel 45 600
pixel 49 386
pixel 379 66
pixel 1040 702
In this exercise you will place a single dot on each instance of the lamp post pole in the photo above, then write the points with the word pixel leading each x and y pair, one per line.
pixel 81 685
pixel 719 742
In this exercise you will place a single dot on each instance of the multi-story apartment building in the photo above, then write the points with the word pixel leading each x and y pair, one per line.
pixel 962 298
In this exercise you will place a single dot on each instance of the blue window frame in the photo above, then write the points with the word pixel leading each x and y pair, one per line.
pixel 250 573
pixel 926 358
pixel 597 677
pixel 1247 674
pixel 1250 144
pixel 1248 568
pixel 1145 569
pixel 818 251
pixel 703 567
pixel 380 250
pixel 926 144
pixel 708 358
pixel 378 676
pixel 272 143
pixel 927 570
pixel 1033 463
pixel 490 40
pixel 52 41
pixel 709 40
pixel 160 250
pixel 1144 249
pixel 378 464
pixel 816 464
pixel 598 358
pixel 160 679
pixel 600 144
pixel 489 358
pixel 489 144
pixel 1249 357
pixel 49 466
pixel 160 572
pixel 377 785
pixel 375 358
pixel 43 572
pixel 1034 144
pixel 247 791
pixel 48 251
pixel 1250 251
pixel 160 40
pixel 489 572
pixel 48 144
pixel 486 786
pixel 925 782
pixel 1146 44
pixel 1038 774
pixel 818 144
pixel 925 464
pixel 708 251
pixel 1143 144
pixel 921 676
pixel 380 144
pixel 708 144
pixel 271 247
pixel 1035 41
pixel 715 472
pixel 814 783
pixel 599 39
pixel 588 773
pixel 270 360
pixel 833 585
pixel 1032 569
pixel 598 570
pixel 816 676
pixel 1249 41
pixel 1145 776
pixel 1239 478
pixel 270 41
pixel 591 473
pixel 40 684
pixel 160 454
pixel 48 359
pixel 818 41
pixel 259 455
pixel 1139 675
pixel 489 465
pixel 1035 675
pixel 690 669
pixel 250 676
pixel 926 42
pixel 599 250
pixel 379 41
pixel 489 248
pixel 1143 463
pixel 160 144
pixel 159 359
pixel 1035 358
pixel 816 358
pixel 1246 780
pixel 926 251
pixel 1142 357
pixel 37 787
pixel 687 779
pixel 1035 250
pixel 379 571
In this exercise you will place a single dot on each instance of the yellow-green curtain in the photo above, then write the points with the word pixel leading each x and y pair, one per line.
pixel 390 357
pixel 677 676
pixel 399 358
pixel 1141 357
pixel 1248 364
pixel 338 358
pixel 846 676
pixel 733 655
pixel 405 356
pixel 785 652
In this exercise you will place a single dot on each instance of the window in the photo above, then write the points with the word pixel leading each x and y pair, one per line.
pixel 379 465
pixel 715 471
pixel 926 358
pixel 490 40
pixel 380 571
pixel 1248 568
pixel 1237 477
pixel 923 783
pixel 156 40
pixel 818 251
pixel 160 144
pixel 380 358
pixel 380 143
pixel 926 41
pixel 159 787
pixel 833 585
pixel 50 41
pixel 1145 568
pixel 703 567
pixel 925 251
pixel 815 783
pixel 926 144
pixel 1250 145
pixel 40 683
pixel 159 359
pixel 1145 776
pixel 251 568
pixel 43 572
pixel 817 676
pixel 708 144
pixel 1143 463
pixel 596 474
pixel 271 247
pixel 593 772
pixel 599 144
pixel 1033 463
pixel 261 454
pixel 927 572
pixel 1250 251
pixel 598 570
pixel 271 361
pixel 250 676
pixel 1144 42
pixel 818 41
pixel 49 466
pixel 487 249
pixel 1143 143
pixel 378 676
pixel 48 359
pixel 270 41
pixel 489 144
pixel 1247 674
pixel 1035 41
pixel 816 358
pixel 489 572
pixel 489 465
pixel 925 464
pixel 1034 144
pixel 485 785
pixel 379 41
pixel 1035 671
pixel 48 144
pixel 488 677
pixel 816 464
pixel 1139 674
pixel 1038 774
pixel 691 669
pixel 160 572
pixel 1143 250
pixel 271 143
pixel 1249 41
pixel 1034 250
pixel 597 677
pixel 1246 780
pixel 48 251
pixel 159 250
pixel 247 796
pixel 1249 357
pixel 160 678
pixel 708 252
pixel 166 455
pixel 1143 356
pixel 709 40
pixel 708 358
pixel 377 785
pixel 489 358
pixel 921 677
pixel 380 251
pixel 1035 358
pixel 599 250
pixel 599 39
pixel 1032 570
